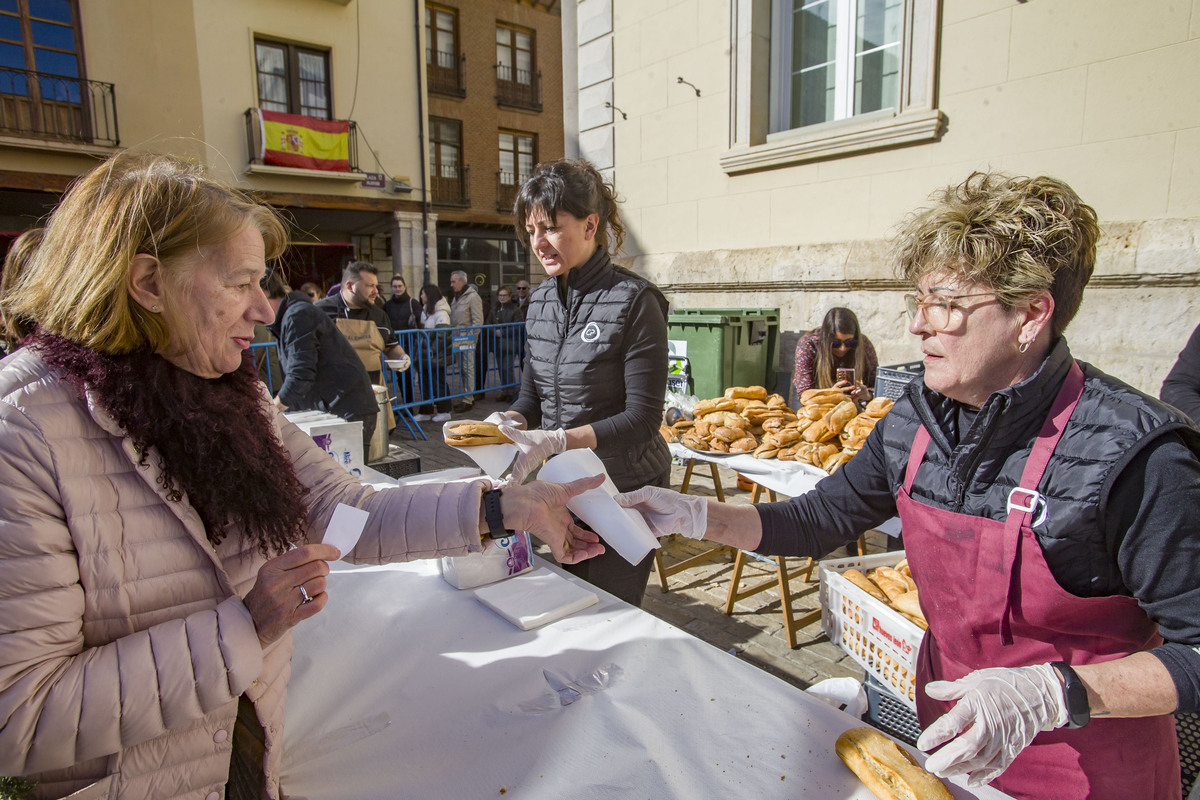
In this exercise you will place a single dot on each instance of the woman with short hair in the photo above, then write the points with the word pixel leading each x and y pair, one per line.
pixel 1048 512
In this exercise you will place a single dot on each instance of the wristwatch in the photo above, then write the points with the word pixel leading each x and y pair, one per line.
pixel 1079 710
pixel 493 515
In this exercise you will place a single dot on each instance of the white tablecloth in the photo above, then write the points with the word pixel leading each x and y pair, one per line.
pixel 404 687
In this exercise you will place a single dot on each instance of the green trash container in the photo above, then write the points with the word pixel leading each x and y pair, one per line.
pixel 728 346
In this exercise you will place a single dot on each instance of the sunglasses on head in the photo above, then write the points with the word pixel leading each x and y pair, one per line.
pixel 838 343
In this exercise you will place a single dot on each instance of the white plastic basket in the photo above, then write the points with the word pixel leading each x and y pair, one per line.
pixel 878 637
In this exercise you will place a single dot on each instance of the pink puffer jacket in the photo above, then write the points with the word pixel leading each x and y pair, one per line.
pixel 124 642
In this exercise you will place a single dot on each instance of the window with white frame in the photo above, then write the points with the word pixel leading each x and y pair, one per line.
pixel 833 59
pixel 819 78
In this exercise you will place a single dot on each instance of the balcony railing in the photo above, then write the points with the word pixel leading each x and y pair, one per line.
pixel 445 73
pixel 254 130
pixel 519 88
pixel 451 186
pixel 39 106
pixel 507 186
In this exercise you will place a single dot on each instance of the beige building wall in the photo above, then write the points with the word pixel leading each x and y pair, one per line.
pixel 1096 92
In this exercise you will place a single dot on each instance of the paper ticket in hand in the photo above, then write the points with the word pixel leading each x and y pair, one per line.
pixel 622 529
pixel 345 527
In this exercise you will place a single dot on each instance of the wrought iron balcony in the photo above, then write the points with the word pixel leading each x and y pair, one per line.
pixel 451 186
pixel 518 88
pixel 56 108
pixel 445 73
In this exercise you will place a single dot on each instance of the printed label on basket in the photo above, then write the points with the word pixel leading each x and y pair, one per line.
pixel 899 641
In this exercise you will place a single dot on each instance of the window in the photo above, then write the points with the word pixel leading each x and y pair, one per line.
pixel 445 157
pixel 833 59
pixel 516 83
pixel 441 54
pixel 517 157
pixel 293 79
pixel 845 76
pixel 39 36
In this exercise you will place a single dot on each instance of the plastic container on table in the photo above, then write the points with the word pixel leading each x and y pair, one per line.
pixel 728 346
pixel 879 638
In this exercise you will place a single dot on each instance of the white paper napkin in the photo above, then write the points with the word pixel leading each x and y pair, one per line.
pixel 345 526
pixel 493 459
pixel 535 598
pixel 622 528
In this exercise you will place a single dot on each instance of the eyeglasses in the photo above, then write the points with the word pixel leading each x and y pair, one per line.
pixel 936 307
pixel 522 288
pixel 840 343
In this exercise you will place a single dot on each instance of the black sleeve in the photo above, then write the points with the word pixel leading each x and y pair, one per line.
pixel 857 497
pixel 1182 385
pixel 529 402
pixel 1150 524
pixel 645 375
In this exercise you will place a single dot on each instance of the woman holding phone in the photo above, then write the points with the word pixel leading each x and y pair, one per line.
pixel 836 355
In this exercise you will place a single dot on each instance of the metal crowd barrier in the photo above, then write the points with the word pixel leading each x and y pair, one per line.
pixel 443 363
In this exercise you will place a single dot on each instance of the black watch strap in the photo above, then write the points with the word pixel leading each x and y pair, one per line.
pixel 493 515
pixel 1079 710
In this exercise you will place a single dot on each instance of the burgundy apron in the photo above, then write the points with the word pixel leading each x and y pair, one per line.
pixel 991 601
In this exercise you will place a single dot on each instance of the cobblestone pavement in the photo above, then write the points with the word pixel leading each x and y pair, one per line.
pixel 695 599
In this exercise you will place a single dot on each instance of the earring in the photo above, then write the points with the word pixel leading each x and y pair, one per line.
pixel 155 310
pixel 1024 346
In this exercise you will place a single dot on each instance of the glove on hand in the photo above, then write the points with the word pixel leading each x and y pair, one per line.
pixel 998 713
pixel 668 512
pixel 535 447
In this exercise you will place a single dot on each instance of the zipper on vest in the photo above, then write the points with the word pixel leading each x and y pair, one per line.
pixel 963 471
pixel 562 340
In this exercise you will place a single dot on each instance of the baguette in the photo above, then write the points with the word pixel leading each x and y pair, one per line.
pixel 860 580
pixel 822 396
pixel 841 414
pixel 887 769
pixel 746 392
pixel 473 434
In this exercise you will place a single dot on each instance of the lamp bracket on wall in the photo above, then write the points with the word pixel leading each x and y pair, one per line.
pixel 614 108
pixel 688 83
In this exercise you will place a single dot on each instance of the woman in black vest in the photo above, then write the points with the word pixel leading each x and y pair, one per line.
pixel 1048 512
pixel 596 365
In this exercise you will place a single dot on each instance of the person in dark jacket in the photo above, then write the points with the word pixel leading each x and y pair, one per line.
pixel 506 340
pixel 1048 512
pixel 596 368
pixel 1181 388
pixel 361 321
pixel 405 313
pixel 321 371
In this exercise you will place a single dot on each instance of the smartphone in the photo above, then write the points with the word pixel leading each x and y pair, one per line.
pixel 846 374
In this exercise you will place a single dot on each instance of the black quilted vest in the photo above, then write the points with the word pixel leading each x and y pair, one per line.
pixel 577 354
pixel 1109 426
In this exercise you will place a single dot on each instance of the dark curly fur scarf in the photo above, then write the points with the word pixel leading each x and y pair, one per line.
pixel 215 439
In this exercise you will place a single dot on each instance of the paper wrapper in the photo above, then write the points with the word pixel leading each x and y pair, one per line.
pixel 493 459
pixel 623 529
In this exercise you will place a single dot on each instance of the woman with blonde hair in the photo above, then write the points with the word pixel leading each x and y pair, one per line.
pixel 17 328
pixel 162 520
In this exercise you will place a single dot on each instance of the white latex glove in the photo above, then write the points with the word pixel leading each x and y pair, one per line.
pixel 535 447
pixel 998 713
pixel 668 512
pixel 502 419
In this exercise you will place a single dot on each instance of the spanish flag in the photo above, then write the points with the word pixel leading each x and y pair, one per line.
pixel 293 140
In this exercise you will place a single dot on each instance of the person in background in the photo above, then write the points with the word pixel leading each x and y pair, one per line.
pixel 15 329
pixel 1048 512
pixel 312 290
pixel 405 313
pixel 1181 388
pixel 162 519
pixel 837 344
pixel 319 367
pixel 597 350
pixel 523 297
pixel 360 320
pixel 435 317
pixel 506 340
pixel 466 309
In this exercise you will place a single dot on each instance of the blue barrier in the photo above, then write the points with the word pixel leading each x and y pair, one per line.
pixel 442 366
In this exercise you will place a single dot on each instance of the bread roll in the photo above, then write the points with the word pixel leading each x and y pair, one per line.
pixel 825 396
pixel 474 434
pixel 842 413
pixel 839 461
pixel 744 445
pixel 718 445
pixel 909 604
pixel 727 434
pixel 878 407
pixel 766 451
pixel 747 392
pixel 860 580
pixel 889 580
pixel 816 410
pixel 886 768
pixel 776 401
pixel 817 432
pixel 694 442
